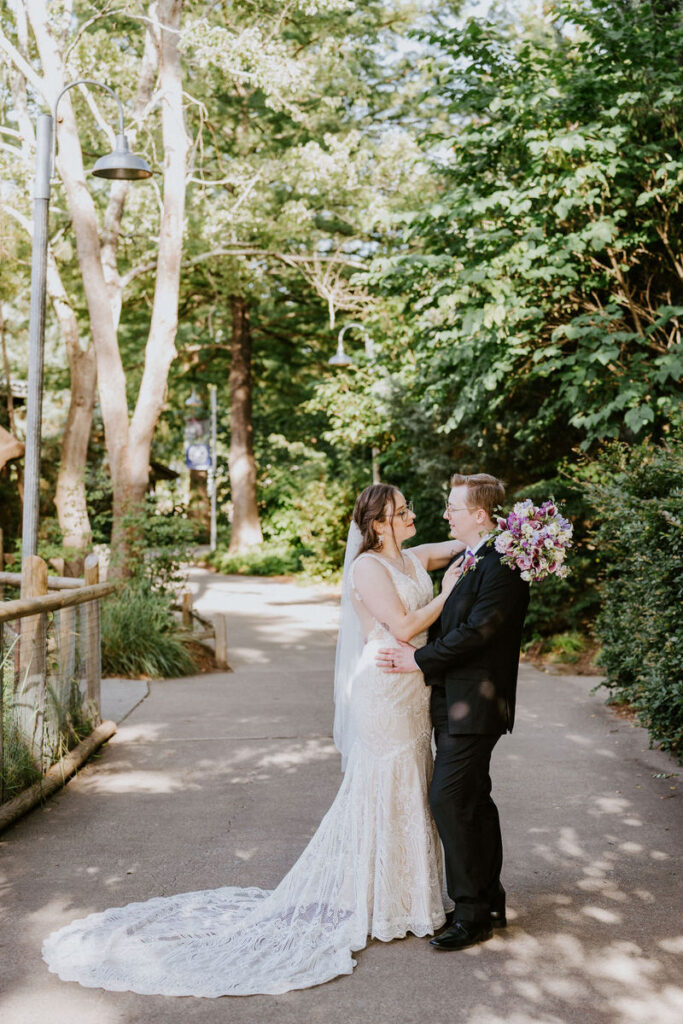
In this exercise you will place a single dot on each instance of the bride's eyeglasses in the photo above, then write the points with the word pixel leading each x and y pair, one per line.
pixel 405 512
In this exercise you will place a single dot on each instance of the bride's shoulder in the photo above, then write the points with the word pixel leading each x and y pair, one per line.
pixel 368 566
pixel 368 560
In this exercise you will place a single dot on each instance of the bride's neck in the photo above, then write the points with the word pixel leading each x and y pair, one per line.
pixel 391 551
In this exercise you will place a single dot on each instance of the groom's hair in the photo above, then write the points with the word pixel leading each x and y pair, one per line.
pixel 483 491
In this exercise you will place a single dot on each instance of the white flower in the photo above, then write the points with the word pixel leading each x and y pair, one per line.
pixel 503 541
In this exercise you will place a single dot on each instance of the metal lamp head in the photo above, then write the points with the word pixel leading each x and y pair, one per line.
pixel 340 357
pixel 122 164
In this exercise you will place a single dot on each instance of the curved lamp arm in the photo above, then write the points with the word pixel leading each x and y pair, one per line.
pixel 72 85
pixel 340 357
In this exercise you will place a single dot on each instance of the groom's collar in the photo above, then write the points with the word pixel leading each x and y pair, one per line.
pixel 480 544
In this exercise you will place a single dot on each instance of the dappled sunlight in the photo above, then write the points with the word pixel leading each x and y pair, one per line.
pixel 26 1005
pixel 568 843
pixel 288 758
pixel 297 754
pixel 583 741
pixel 558 973
pixel 586 951
pixel 604 916
pixel 246 855
pixel 144 732
pixel 484 1015
pixel 135 782
pixel 672 945
pixel 44 916
pixel 610 805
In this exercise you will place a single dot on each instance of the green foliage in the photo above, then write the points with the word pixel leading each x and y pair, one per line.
pixel 139 634
pixel 17 768
pixel 71 719
pixel 306 499
pixel 567 647
pixel 543 285
pixel 272 558
pixel 638 497
pixel 138 625
pixel 66 722
pixel 166 540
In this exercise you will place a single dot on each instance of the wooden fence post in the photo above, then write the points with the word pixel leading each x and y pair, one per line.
pixel 29 698
pixel 220 625
pixel 2 564
pixel 66 633
pixel 93 643
pixel 187 609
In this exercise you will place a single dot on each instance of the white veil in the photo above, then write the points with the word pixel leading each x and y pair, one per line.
pixel 349 649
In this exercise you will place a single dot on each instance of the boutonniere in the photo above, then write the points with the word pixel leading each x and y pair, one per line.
pixel 468 563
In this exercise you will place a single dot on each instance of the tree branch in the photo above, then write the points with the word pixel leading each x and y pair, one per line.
pixel 22 65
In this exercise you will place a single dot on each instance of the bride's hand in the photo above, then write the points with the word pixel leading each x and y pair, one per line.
pixel 450 578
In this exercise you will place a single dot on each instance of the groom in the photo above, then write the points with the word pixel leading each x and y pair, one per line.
pixel 471 663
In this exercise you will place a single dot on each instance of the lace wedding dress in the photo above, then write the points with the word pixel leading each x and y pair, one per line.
pixel 373 868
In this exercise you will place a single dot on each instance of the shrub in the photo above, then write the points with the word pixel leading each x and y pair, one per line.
pixel 166 542
pixel 639 498
pixel 139 634
pixel 272 558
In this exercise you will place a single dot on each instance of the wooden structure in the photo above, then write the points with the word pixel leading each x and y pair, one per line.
pixel 215 629
pixel 50 667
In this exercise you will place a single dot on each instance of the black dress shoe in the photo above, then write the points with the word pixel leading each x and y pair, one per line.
pixel 462 934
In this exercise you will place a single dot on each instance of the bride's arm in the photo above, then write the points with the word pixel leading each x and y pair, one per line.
pixel 435 556
pixel 374 586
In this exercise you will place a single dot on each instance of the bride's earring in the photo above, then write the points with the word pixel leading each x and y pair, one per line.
pixel 380 540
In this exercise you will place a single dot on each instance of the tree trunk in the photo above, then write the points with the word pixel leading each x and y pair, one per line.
pixel 128 442
pixel 70 497
pixel 246 527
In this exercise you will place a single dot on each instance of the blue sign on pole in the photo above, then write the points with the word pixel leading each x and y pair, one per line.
pixel 198 455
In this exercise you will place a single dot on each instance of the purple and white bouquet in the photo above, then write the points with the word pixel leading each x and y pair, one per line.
pixel 534 540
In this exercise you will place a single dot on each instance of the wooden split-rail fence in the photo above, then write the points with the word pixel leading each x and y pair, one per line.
pixel 50 663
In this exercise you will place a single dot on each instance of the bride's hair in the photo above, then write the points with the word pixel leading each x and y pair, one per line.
pixel 370 507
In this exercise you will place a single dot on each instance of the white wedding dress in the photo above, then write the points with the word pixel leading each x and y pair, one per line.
pixel 373 868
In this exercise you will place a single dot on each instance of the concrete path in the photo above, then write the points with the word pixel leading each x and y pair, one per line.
pixel 221 779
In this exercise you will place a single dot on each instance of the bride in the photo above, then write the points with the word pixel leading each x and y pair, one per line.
pixel 373 868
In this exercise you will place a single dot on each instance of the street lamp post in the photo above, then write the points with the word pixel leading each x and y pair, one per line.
pixel 207 460
pixel 214 463
pixel 121 165
pixel 341 359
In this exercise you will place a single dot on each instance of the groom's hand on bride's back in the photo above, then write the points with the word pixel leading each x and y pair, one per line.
pixel 397 659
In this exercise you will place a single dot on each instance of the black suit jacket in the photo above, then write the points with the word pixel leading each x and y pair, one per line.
pixel 473 648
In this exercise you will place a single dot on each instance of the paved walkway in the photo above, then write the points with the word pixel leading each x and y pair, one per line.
pixel 221 779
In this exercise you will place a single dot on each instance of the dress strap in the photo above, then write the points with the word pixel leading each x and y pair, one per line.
pixel 389 566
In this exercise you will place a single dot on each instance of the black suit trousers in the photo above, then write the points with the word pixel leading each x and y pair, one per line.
pixel 467 820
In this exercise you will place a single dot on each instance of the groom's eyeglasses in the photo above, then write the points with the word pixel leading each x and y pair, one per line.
pixel 405 512
pixel 453 508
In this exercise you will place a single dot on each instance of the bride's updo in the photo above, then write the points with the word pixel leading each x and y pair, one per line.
pixel 370 507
